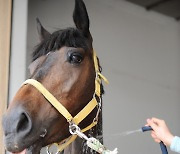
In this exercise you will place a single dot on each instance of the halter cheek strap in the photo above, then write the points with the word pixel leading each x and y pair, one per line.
pixel 83 113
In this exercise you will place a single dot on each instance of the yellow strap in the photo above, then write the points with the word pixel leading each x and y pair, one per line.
pixel 96 65
pixel 85 111
pixel 94 123
pixel 103 77
pixel 64 145
pixel 97 87
pixel 95 62
pixel 78 118
pixel 50 98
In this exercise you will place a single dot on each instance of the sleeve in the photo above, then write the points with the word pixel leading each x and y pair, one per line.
pixel 175 145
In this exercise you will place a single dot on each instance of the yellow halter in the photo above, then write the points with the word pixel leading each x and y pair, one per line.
pixel 83 113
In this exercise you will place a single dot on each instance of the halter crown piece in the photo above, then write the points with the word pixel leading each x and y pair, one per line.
pixel 74 121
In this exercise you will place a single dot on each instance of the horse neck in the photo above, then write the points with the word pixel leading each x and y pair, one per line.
pixel 79 145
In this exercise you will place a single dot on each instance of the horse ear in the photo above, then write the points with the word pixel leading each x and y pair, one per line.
pixel 80 17
pixel 43 33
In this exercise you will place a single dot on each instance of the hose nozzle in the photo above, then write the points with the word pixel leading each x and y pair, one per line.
pixel 146 128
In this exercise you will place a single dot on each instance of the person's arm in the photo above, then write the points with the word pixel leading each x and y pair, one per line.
pixel 175 145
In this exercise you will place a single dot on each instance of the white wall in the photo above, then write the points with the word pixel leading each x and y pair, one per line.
pixel 142 61
pixel 140 55
pixel 18 46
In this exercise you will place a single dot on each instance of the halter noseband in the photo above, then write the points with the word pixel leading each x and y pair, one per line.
pixel 95 101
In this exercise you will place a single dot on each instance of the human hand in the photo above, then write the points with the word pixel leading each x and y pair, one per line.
pixel 160 131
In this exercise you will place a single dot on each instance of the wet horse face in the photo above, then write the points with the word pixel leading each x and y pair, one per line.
pixel 63 63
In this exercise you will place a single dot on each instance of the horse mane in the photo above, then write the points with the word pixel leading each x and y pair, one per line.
pixel 70 37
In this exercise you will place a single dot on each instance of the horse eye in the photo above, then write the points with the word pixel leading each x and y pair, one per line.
pixel 75 58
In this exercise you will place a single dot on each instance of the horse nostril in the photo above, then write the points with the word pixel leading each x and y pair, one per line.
pixel 24 124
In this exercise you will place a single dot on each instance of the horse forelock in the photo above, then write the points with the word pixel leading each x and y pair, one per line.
pixel 70 37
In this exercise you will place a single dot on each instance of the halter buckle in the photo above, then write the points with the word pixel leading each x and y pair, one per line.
pixel 75 130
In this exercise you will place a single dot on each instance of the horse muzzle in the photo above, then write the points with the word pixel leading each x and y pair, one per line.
pixel 17 124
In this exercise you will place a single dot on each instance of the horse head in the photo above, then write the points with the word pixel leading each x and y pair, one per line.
pixel 63 63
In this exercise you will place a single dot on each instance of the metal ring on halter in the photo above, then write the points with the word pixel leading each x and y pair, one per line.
pixel 73 128
pixel 48 152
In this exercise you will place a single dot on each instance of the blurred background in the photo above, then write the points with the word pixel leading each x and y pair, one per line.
pixel 138 44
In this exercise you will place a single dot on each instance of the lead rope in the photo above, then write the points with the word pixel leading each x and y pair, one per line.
pixel 91 142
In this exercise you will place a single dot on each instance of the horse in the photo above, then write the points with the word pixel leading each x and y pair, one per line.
pixel 65 64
